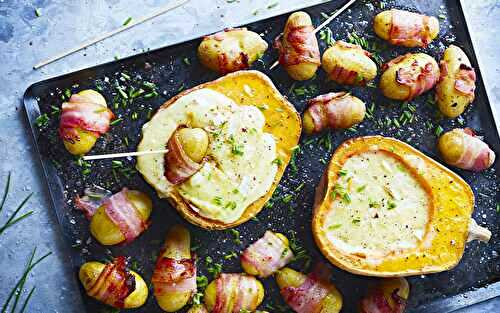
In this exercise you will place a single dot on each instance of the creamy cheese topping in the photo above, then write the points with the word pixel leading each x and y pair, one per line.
pixel 380 206
pixel 239 167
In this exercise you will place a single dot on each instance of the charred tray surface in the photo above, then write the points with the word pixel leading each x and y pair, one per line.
pixel 176 68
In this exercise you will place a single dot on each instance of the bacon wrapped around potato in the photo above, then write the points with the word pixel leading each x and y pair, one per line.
pixel 266 255
pixel 298 47
pixel 311 293
pixel 113 284
pixel 457 83
pixel 233 293
pixel 349 64
pixel 84 118
pixel 333 110
pixel 405 28
pixel 231 50
pixel 118 218
pixel 389 296
pixel 461 148
pixel 174 277
pixel 408 76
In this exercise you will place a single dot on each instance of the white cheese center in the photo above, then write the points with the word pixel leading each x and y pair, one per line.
pixel 380 207
pixel 240 155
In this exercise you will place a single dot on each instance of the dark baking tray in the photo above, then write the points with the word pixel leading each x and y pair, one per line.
pixel 475 279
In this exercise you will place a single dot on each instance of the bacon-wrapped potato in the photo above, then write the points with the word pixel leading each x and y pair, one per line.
pixel 349 64
pixel 113 284
pixel 461 148
pixel 266 255
pixel 84 118
pixel 231 50
pixel 311 293
pixel 389 296
pixel 197 308
pixel 117 218
pixel 298 47
pixel 333 110
pixel 408 76
pixel 457 83
pixel 405 28
pixel 233 293
pixel 174 277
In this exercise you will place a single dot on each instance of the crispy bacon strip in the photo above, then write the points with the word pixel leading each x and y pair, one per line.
pixel 124 215
pixel 268 254
pixel 418 78
pixel 172 275
pixel 93 198
pixel 465 80
pixel 409 29
pixel 307 297
pixel 227 63
pixel 377 303
pixel 300 46
pixel 476 155
pixel 178 165
pixel 114 284
pixel 237 289
pixel 330 110
pixel 81 112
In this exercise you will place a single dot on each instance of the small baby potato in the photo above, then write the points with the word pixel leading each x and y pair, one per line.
pixel 177 246
pixel 408 76
pixel 90 271
pixel 391 292
pixel 287 277
pixel 87 139
pixel 398 27
pixel 231 50
pixel 250 269
pixel 300 57
pixel 455 90
pixel 210 295
pixel 461 148
pixel 348 64
pixel 105 231
pixel 194 141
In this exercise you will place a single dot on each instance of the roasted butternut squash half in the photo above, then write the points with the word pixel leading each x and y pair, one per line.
pixel 385 209
pixel 221 172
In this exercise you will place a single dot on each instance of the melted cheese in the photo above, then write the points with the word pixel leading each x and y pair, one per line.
pixel 380 207
pixel 239 167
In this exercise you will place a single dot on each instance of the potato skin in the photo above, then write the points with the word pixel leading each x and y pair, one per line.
pixel 231 50
pixel 451 145
pixel 87 139
pixel 394 90
pixel 351 58
pixel 382 24
pixel 89 272
pixel 194 141
pixel 306 69
pixel 211 294
pixel 106 232
pixel 287 277
pixel 250 269
pixel 451 102
pixel 177 246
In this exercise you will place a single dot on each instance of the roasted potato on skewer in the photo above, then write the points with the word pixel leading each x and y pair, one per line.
pixel 113 284
pixel 405 28
pixel 84 118
pixel 298 47
pixel 174 278
pixel 231 50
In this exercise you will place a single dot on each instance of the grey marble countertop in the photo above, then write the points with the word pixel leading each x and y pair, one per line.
pixel 25 39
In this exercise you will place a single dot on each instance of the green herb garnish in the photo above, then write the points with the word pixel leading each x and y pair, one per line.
pixel 127 21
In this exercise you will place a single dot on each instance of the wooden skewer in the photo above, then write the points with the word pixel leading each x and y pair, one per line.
pixel 174 4
pixel 326 22
pixel 122 155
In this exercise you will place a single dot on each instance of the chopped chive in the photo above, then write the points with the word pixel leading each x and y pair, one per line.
pixel 287 198
pixel 38 12
pixel 333 227
pixel 272 5
pixel 127 21
pixel 438 131
pixel 361 188
pixel 186 61
pixel 118 120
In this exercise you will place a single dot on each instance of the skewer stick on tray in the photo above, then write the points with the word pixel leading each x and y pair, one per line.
pixel 172 5
pixel 326 22
pixel 122 155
